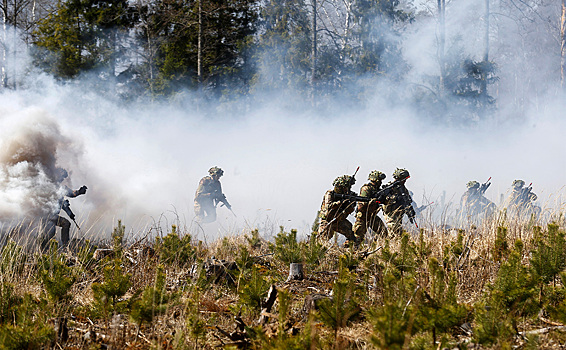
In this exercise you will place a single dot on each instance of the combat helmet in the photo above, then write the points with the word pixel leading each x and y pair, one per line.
pixel 216 171
pixel 376 176
pixel 343 181
pixel 518 183
pixel 400 173
pixel 473 184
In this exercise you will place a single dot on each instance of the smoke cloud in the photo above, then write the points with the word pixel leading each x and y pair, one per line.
pixel 142 163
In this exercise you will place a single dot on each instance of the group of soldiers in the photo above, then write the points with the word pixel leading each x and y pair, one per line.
pixel 520 203
pixel 393 199
pixel 337 205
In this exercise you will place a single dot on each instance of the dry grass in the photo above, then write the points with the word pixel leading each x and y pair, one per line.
pixel 215 305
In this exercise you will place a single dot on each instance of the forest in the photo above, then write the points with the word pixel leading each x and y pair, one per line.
pixel 455 61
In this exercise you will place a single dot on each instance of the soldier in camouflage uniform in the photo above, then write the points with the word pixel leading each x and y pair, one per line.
pixel 398 203
pixel 521 201
pixel 54 219
pixel 473 203
pixel 208 194
pixel 366 214
pixel 334 212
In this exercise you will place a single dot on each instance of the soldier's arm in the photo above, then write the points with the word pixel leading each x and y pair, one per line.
pixel 75 193
pixel 200 193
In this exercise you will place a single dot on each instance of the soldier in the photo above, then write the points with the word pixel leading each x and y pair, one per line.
pixel 55 219
pixel 334 211
pixel 521 200
pixel 208 195
pixel 398 202
pixel 473 203
pixel 366 214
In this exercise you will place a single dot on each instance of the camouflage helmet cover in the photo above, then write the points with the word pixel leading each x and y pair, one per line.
pixel 216 171
pixel 518 183
pixel 343 181
pixel 376 176
pixel 400 173
pixel 473 184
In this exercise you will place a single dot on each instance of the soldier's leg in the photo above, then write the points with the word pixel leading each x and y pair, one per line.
pixel 360 226
pixel 394 224
pixel 199 212
pixel 345 227
pixel 210 211
pixel 49 227
pixel 324 231
pixel 378 226
pixel 65 230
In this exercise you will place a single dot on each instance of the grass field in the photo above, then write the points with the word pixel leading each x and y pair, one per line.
pixel 497 285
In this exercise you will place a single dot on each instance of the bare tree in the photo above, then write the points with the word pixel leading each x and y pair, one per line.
pixel 563 46
pixel 313 51
pixel 441 5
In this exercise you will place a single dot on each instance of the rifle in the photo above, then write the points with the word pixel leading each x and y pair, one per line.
pixel 354 197
pixel 423 207
pixel 386 190
pixel 379 196
pixel 525 191
pixel 353 180
pixel 66 206
pixel 484 186
pixel 222 199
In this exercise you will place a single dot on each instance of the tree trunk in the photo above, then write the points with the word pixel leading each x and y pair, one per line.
pixel 14 45
pixel 441 44
pixel 295 272
pixel 3 47
pixel 563 46
pixel 483 87
pixel 313 54
pixel 199 44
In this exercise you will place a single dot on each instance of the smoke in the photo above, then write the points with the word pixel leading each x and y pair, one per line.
pixel 30 142
pixel 142 162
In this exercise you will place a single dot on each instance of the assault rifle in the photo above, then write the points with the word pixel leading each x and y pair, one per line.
pixel 423 207
pixel 221 198
pixel 379 196
pixel 353 180
pixel 526 192
pixel 484 186
pixel 66 206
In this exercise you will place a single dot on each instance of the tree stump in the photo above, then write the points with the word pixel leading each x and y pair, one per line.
pixel 295 272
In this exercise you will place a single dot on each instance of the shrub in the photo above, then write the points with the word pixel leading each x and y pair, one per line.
pixel 173 249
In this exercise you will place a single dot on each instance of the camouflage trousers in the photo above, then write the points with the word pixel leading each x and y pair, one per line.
pixel 365 221
pixel 394 223
pixel 326 230
pixel 50 227
pixel 205 211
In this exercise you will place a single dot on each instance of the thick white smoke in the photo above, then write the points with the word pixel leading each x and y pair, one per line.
pixel 142 164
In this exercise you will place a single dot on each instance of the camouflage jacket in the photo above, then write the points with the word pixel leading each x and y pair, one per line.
pixel 369 190
pixel 208 189
pixel 473 202
pixel 520 198
pixel 399 201
pixel 338 209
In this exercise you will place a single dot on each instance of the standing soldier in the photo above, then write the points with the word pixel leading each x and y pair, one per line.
pixel 521 200
pixel 55 219
pixel 366 214
pixel 334 211
pixel 398 202
pixel 473 203
pixel 208 195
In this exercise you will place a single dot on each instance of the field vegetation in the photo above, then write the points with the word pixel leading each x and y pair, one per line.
pixel 497 285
